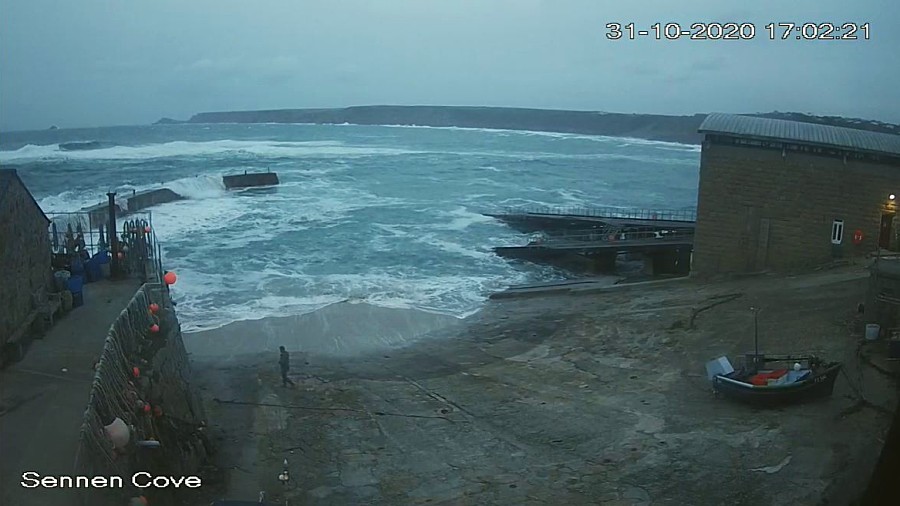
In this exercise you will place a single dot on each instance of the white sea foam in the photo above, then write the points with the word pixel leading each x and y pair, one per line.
pixel 559 135
pixel 271 149
pixel 461 219
pixel 457 296
pixel 71 201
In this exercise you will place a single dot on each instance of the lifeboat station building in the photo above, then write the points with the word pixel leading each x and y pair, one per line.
pixel 780 195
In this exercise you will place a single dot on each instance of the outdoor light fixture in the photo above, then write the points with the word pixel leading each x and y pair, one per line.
pixel 892 196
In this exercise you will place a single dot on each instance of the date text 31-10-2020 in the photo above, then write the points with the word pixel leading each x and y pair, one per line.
pixel 741 31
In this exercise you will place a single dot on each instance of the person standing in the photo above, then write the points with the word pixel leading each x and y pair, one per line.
pixel 285 362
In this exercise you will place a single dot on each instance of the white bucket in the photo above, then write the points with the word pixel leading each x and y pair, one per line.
pixel 872 331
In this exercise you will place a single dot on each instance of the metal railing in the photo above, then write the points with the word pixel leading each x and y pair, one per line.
pixel 585 238
pixel 141 251
pixel 65 227
pixel 688 214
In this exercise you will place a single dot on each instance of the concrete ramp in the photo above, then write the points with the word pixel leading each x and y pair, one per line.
pixel 246 180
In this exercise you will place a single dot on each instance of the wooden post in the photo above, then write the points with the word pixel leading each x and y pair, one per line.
pixel 114 270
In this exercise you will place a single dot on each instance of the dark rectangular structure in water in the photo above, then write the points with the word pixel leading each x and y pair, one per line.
pixel 148 198
pixel 248 180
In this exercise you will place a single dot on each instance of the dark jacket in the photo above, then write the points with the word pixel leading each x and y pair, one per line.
pixel 285 361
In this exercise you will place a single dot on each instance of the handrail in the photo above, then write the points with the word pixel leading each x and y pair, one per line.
pixel 687 214
pixel 607 236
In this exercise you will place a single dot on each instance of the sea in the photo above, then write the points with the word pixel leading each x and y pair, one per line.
pixel 393 216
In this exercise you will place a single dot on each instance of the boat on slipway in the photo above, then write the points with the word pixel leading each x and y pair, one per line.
pixel 773 380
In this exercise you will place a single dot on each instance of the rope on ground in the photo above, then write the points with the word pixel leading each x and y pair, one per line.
pixel 861 401
pixel 319 408
pixel 719 300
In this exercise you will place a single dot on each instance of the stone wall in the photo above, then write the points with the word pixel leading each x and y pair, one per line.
pixel 24 255
pixel 144 378
pixel 762 209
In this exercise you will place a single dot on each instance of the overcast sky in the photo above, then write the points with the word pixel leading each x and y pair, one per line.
pixel 114 62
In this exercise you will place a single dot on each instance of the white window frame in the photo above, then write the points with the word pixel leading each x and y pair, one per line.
pixel 837 231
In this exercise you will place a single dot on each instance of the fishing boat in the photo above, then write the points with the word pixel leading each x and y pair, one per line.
pixel 770 380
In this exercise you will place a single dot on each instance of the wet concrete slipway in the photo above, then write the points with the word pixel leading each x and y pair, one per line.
pixel 582 397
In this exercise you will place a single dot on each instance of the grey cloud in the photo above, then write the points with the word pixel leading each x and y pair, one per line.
pixel 96 62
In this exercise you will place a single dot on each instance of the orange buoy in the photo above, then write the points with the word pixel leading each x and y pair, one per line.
pixel 170 278
pixel 858 237
pixel 154 328
pixel 136 372
pixel 147 408
pixel 154 308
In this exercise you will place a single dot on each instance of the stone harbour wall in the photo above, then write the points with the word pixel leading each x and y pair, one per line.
pixel 26 263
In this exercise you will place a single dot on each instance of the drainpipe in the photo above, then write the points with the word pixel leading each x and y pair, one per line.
pixel 113 239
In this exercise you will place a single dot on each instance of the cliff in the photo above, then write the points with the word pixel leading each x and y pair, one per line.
pixel 643 126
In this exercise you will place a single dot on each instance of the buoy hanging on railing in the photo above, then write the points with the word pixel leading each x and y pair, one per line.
pixel 147 408
pixel 170 278
pixel 120 255
pixel 147 229
pixel 154 328
pixel 136 372
pixel 118 433
pixel 154 308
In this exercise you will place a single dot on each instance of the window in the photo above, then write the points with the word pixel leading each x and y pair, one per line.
pixel 837 232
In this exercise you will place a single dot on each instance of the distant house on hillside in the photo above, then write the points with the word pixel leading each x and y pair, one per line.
pixel 24 255
pixel 782 195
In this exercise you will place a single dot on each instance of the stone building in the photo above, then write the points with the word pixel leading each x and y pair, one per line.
pixel 782 195
pixel 24 255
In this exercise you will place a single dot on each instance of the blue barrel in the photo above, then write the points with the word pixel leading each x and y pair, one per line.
pixel 89 271
pixel 102 257
pixel 76 284
pixel 92 268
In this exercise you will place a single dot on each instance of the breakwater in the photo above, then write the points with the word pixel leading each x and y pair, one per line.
pixel 246 180
pixel 128 204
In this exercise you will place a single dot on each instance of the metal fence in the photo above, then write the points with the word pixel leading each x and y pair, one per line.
pixel 66 227
pixel 688 214
pixel 141 252
pixel 609 235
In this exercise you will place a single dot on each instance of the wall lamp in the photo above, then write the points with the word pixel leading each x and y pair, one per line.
pixel 891 196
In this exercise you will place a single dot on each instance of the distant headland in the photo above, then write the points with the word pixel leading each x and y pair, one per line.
pixel 641 126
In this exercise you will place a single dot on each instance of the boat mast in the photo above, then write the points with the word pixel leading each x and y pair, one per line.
pixel 755 336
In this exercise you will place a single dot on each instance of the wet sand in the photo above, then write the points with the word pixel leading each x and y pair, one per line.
pixel 579 398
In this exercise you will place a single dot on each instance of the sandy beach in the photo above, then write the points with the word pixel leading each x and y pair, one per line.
pixel 591 397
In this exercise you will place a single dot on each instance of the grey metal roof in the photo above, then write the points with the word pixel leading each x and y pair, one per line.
pixel 850 139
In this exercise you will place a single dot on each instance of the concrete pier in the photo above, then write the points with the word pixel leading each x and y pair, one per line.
pixel 99 214
pixel 148 198
pixel 246 180
pixel 673 261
